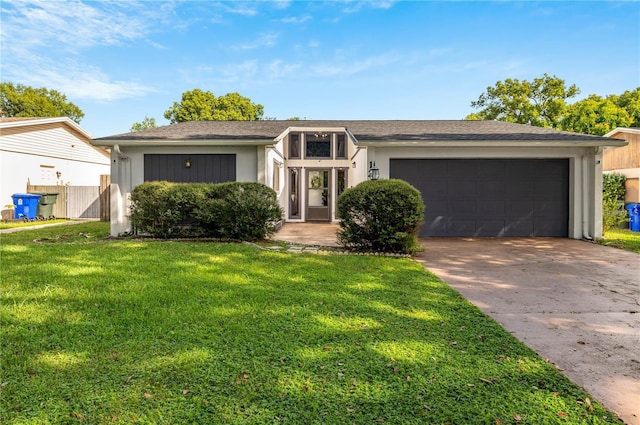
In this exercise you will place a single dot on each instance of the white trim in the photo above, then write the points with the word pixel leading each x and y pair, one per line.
pixel 39 121
pixel 622 130
pixel 183 142
pixel 491 143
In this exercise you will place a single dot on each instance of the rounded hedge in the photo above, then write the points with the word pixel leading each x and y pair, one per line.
pixel 234 210
pixel 381 216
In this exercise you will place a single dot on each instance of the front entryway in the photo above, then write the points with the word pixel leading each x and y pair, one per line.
pixel 319 195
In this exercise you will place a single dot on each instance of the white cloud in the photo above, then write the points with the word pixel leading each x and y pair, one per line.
pixel 295 19
pixel 356 6
pixel 239 8
pixel 76 80
pixel 347 68
pixel 263 40
pixel 72 25
pixel 43 43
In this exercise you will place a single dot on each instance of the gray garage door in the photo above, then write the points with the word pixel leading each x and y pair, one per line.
pixel 201 168
pixel 490 197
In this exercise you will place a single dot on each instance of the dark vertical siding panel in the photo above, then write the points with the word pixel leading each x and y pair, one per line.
pixel 490 197
pixel 211 168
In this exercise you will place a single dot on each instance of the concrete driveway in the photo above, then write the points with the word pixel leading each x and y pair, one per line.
pixel 577 304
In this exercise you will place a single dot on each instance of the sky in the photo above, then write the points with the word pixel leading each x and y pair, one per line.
pixel 122 61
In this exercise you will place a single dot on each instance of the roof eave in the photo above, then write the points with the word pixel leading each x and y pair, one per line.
pixel 622 130
pixel 494 143
pixel 38 121
pixel 182 142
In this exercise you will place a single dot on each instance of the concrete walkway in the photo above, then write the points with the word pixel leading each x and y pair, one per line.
pixel 575 303
pixel 315 234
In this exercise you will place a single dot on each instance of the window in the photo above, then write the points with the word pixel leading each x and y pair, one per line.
pixel 276 176
pixel 341 146
pixel 294 145
pixel 341 181
pixel 318 145
pixel 294 193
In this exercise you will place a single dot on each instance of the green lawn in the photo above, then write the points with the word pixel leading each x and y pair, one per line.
pixel 14 224
pixel 103 331
pixel 623 239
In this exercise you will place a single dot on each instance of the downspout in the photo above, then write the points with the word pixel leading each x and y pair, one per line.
pixel 586 234
pixel 124 157
pixel 589 192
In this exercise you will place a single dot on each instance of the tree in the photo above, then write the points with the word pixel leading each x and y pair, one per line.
pixel 630 101
pixel 146 124
pixel 198 105
pixel 25 101
pixel 541 102
pixel 595 115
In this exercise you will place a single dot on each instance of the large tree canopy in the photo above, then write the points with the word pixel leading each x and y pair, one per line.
pixel 198 105
pixel 25 101
pixel 541 102
pixel 595 115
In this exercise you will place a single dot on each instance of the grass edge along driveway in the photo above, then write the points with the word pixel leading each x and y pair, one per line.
pixel 102 331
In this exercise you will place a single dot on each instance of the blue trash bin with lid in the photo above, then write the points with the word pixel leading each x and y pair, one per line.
pixel 26 205
pixel 634 217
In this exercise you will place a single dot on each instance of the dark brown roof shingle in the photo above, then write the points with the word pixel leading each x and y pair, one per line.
pixel 370 130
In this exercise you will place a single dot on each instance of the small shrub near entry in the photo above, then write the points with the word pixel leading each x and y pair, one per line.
pixel 614 214
pixel 235 210
pixel 381 216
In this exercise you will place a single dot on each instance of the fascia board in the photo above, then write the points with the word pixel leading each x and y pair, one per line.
pixel 622 130
pixel 184 142
pixel 65 120
pixel 492 143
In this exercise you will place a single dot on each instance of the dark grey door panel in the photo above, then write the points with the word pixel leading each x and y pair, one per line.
pixel 490 197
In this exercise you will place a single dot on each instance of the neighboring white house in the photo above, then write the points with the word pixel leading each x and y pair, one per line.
pixel 625 160
pixel 477 178
pixel 47 151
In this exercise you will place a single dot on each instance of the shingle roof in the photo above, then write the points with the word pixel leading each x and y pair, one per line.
pixel 363 130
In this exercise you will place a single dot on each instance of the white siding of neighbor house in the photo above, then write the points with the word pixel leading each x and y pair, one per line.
pixel 585 175
pixel 34 153
pixel 127 172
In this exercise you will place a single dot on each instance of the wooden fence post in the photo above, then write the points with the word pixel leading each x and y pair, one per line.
pixel 105 197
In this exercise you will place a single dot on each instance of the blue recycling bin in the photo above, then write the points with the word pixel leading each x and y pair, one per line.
pixel 26 205
pixel 634 217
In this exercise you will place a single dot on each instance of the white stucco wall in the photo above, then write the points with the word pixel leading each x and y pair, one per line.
pixel 127 172
pixel 585 175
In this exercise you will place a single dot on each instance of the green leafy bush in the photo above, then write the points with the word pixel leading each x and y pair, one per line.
pixel 244 211
pixel 381 216
pixel 613 190
pixel 240 211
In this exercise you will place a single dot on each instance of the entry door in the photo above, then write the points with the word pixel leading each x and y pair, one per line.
pixel 318 195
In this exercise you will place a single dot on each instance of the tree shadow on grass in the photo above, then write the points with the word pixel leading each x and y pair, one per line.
pixel 170 332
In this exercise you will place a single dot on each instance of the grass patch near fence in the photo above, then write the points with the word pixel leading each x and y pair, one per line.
pixel 15 224
pixel 623 239
pixel 102 331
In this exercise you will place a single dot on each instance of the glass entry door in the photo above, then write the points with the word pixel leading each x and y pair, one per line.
pixel 318 195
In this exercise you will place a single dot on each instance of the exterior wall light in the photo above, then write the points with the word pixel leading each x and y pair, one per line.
pixel 187 163
pixel 374 173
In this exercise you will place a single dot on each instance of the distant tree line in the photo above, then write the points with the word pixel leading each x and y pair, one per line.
pixel 543 103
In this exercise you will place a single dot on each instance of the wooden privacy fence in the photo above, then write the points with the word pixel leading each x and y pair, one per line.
pixel 78 201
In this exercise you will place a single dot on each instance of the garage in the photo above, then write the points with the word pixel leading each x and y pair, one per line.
pixel 185 168
pixel 490 197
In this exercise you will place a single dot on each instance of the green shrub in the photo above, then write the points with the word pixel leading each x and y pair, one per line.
pixel 240 211
pixel 244 211
pixel 381 216
pixel 613 190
